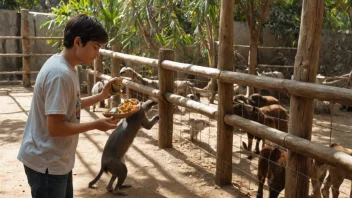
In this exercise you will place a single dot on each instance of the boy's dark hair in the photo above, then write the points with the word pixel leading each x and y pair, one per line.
pixel 86 27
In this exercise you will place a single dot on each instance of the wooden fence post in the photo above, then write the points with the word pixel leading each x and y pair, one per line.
pixel 166 84
pixel 26 60
pixel 301 109
pixel 98 67
pixel 115 72
pixel 224 131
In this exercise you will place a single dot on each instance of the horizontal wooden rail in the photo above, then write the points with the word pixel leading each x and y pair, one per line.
pixel 17 72
pixel 45 38
pixel 23 55
pixel 303 89
pixel 263 47
pixel 14 82
pixel 192 105
pixel 12 55
pixel 293 143
pixel 32 37
pixel 276 66
pixel 10 37
pixel 135 59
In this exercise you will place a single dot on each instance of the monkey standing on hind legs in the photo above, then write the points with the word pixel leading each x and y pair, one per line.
pixel 119 142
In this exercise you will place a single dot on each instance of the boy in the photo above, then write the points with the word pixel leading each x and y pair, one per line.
pixel 51 132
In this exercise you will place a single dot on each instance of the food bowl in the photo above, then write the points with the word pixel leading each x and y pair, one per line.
pixel 125 109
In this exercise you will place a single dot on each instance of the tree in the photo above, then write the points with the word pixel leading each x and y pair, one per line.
pixel 256 13
pixel 337 14
pixel 205 15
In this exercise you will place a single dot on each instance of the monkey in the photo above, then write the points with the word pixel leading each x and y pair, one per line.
pixel 119 142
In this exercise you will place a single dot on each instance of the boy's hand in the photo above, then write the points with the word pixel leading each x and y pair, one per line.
pixel 106 90
pixel 105 124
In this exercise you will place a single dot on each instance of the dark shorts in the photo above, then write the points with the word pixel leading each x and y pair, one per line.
pixel 49 186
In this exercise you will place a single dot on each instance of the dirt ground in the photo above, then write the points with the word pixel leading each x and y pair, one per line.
pixel 186 170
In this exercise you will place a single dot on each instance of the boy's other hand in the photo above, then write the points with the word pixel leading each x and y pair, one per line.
pixel 105 124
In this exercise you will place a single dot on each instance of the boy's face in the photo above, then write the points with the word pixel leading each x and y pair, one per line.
pixel 86 54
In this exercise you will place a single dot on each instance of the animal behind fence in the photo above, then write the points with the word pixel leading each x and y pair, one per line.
pixel 96 89
pixel 274 116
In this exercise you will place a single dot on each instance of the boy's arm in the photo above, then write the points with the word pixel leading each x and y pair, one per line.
pixel 91 100
pixel 58 127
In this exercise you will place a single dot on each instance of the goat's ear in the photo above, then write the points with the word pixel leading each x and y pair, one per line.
pixel 275 154
pixel 254 109
pixel 239 101
pixel 251 102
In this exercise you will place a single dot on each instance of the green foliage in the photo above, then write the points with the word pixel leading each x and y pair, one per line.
pixel 336 14
pixel 285 17
pixel 9 5
pixel 63 13
pixel 18 4
pixel 284 20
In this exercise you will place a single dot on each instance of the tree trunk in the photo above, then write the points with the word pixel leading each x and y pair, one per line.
pixel 252 61
pixel 301 109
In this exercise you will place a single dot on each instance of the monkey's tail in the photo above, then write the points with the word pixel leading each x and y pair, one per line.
pixel 96 178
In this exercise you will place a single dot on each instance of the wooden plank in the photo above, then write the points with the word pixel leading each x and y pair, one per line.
pixel 301 108
pixel 46 38
pixel 303 89
pixel 192 105
pixel 305 147
pixel 17 72
pixel 224 131
pixel 192 69
pixel 23 55
pixel 13 55
pixel 26 60
pixel 135 59
pixel 11 37
pixel 275 66
pixel 263 47
pixel 32 37
pixel 13 82
pixel 166 84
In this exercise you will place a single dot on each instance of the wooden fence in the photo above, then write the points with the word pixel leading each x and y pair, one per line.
pixel 26 55
pixel 166 65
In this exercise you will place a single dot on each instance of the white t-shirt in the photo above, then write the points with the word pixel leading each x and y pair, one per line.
pixel 56 91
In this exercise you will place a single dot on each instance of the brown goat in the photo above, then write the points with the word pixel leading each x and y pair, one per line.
pixel 258 100
pixel 257 115
pixel 279 113
pixel 336 175
pixel 272 165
